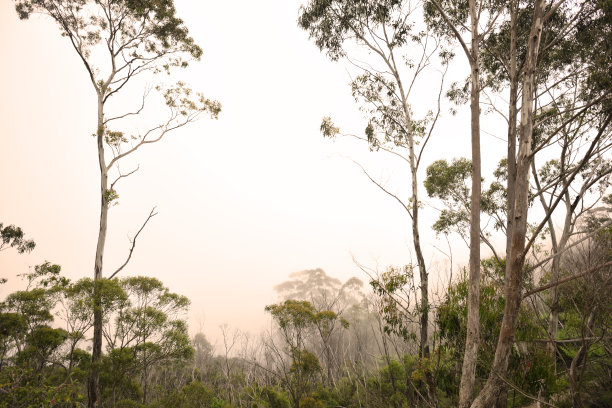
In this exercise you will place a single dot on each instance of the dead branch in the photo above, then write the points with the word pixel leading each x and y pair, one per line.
pixel 133 241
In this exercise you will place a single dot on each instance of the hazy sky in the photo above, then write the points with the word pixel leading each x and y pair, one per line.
pixel 242 201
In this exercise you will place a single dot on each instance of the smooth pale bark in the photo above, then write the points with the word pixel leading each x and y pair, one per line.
pixel 468 371
pixel 93 385
pixel 511 157
pixel 472 338
pixel 416 240
pixel 424 277
pixel 513 284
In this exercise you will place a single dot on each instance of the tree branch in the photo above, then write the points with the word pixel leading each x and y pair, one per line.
pixel 123 176
pixel 151 215
pixel 568 279
pixel 383 188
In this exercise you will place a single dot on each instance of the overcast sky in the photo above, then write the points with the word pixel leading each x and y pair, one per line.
pixel 242 201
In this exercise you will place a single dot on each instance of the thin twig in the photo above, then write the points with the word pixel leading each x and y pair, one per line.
pixel 151 215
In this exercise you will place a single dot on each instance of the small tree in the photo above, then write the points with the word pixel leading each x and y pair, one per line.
pixel 117 41
pixel 331 298
pixel 296 321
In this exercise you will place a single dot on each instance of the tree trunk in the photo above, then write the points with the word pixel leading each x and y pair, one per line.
pixel 574 375
pixel 511 158
pixel 472 340
pixel 416 239
pixel 553 322
pixel 93 385
pixel 423 343
pixel 512 116
pixel 514 279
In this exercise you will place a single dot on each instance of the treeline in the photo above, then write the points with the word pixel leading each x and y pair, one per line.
pixel 333 345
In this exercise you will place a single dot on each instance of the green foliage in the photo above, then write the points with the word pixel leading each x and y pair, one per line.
pixel 399 383
pixel 449 183
pixel 271 397
pixel 42 365
pixel 330 22
pixel 593 37
pixel 13 237
pixel 293 317
pixel 446 180
pixel 193 395
pixel 181 100
pixel 395 315
pixel 529 365
pixel 165 32
pixel 305 362
pixel 328 129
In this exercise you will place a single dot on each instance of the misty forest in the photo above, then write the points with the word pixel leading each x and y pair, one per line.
pixel 520 317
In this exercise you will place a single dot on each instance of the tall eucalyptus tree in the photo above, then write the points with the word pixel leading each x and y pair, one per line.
pixel 384 29
pixel 118 41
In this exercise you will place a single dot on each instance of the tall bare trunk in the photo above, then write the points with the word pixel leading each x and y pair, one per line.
pixel 514 278
pixel 93 385
pixel 423 343
pixel 512 117
pixel 472 339
pixel 511 157
pixel 416 240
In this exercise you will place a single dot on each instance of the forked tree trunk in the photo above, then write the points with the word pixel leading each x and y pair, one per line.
pixel 416 240
pixel 93 385
pixel 472 339
pixel 514 279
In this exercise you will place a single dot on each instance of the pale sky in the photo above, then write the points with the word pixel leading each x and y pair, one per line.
pixel 242 201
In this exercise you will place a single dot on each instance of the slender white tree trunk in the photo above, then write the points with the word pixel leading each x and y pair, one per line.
pixel 472 339
pixel 94 380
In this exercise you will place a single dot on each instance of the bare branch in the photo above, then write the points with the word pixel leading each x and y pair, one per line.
pixel 142 105
pixel 124 176
pixel 133 241
pixel 379 185
pixel 523 393
pixel 568 279
pixel 568 182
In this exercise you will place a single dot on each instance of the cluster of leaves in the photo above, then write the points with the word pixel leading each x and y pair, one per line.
pixel 13 237
pixel 44 365
pixel 392 307
pixel 329 23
